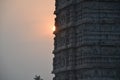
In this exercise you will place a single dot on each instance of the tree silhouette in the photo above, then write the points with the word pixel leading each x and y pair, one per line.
pixel 37 77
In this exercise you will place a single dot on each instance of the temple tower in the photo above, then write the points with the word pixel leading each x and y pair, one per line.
pixel 87 40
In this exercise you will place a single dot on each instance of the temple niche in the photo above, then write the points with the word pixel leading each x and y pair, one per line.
pixel 87 40
pixel 63 19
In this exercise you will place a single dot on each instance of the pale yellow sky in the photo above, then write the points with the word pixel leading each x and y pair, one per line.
pixel 26 39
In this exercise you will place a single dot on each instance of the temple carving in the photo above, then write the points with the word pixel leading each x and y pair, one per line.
pixel 87 40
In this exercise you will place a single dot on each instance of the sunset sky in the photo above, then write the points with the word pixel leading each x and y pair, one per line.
pixel 26 39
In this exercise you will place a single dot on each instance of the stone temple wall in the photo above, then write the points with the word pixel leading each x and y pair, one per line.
pixel 87 40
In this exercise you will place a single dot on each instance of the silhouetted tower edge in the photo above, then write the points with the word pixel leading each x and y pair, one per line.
pixel 87 40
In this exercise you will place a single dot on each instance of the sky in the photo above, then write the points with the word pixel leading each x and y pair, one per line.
pixel 26 39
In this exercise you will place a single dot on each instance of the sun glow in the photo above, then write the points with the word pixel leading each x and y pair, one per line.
pixel 53 28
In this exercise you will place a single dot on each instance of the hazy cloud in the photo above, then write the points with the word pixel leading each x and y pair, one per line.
pixel 26 42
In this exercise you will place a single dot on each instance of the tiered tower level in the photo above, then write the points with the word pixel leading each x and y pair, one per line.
pixel 87 40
